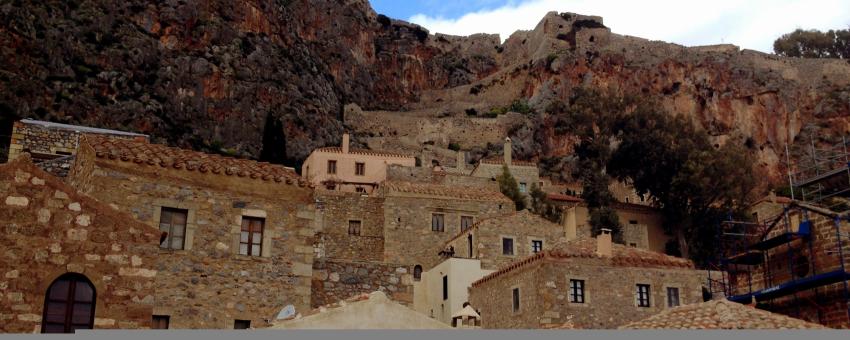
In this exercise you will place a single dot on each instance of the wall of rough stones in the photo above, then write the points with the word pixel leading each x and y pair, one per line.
pixel 488 234
pixel 336 210
pixel 48 229
pixel 609 294
pixel 208 284
pixel 336 280
pixel 408 237
pixel 44 140
pixel 429 175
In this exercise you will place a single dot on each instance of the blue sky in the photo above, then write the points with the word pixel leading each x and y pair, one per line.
pixel 752 24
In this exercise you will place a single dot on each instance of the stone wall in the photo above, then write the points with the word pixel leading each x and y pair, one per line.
pixel 609 294
pixel 426 174
pixel 337 209
pixel 487 238
pixel 42 139
pixel 408 237
pixel 336 280
pixel 48 229
pixel 208 284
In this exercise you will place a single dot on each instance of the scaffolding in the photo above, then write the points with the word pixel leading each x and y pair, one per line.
pixel 777 257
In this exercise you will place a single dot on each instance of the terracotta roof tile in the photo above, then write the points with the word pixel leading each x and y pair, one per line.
pixel 623 256
pixel 337 149
pixel 146 154
pixel 719 314
pixel 563 197
pixel 453 191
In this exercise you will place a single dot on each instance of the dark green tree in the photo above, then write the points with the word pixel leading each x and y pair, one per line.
pixel 541 205
pixel 814 44
pixel 509 187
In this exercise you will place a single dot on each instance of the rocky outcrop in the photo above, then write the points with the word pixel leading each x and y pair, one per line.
pixel 269 79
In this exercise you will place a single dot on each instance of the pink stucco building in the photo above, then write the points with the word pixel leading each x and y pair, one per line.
pixel 354 170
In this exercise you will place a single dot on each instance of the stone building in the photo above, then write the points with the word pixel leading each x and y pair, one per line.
pixel 239 233
pixel 353 170
pixel 590 282
pixel 52 145
pixel 60 248
pixel 420 217
pixel 525 173
pixel 643 226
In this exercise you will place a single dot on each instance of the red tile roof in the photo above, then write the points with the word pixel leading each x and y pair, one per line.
pixel 563 197
pixel 452 191
pixel 719 314
pixel 623 256
pixel 146 154
pixel 337 149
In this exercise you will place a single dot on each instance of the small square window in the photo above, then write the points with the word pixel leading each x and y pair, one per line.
pixel 577 291
pixel 643 295
pixel 515 300
pixel 633 222
pixel 361 190
pixel 359 169
pixel 465 223
pixel 241 324
pixel 522 187
pixel 633 245
pixel 160 322
pixel 507 246
pixel 331 167
pixel 536 246
pixel 354 228
pixel 438 222
pixel 672 297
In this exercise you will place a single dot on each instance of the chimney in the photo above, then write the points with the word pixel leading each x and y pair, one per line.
pixel 461 160
pixel 507 151
pixel 603 243
pixel 570 223
pixel 345 139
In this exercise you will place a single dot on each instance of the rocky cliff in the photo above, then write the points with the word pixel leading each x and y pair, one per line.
pixel 269 79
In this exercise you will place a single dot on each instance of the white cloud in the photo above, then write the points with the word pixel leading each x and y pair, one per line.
pixel 751 24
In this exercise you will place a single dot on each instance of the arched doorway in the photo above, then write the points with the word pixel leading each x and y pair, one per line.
pixel 69 304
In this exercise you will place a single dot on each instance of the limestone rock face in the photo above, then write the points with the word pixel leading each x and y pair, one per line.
pixel 269 79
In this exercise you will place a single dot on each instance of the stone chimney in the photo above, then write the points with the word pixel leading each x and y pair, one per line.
pixel 570 223
pixel 345 140
pixel 603 243
pixel 507 151
pixel 461 160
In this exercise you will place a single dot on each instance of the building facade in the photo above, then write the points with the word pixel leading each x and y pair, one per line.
pixel 525 173
pixel 590 282
pixel 238 244
pixel 61 248
pixel 352 170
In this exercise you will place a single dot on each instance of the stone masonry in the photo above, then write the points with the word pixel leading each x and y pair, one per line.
pixel 339 280
pixel 339 210
pixel 208 283
pixel 49 229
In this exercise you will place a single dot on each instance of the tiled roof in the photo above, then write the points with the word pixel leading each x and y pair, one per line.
pixel 453 191
pixel 563 197
pixel 81 129
pixel 146 154
pixel 719 314
pixel 623 256
pixel 337 149
pixel 501 160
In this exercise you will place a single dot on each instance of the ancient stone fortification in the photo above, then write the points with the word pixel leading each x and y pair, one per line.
pixel 339 280
pixel 49 229
pixel 208 283
pixel 609 292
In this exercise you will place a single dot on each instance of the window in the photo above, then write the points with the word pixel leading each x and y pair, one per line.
pixel 577 291
pixel 515 298
pixel 672 297
pixel 465 223
pixel 361 190
pixel 507 246
pixel 359 168
pixel 251 239
pixel 417 272
pixel 69 305
pixel 331 167
pixel 445 287
pixel 160 322
pixel 241 324
pixel 437 222
pixel 522 187
pixel 633 245
pixel 354 228
pixel 536 246
pixel 633 222
pixel 173 223
pixel 330 186
pixel 627 199
pixel 643 295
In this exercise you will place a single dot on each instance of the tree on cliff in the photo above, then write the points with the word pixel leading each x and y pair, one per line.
pixel 541 205
pixel 814 44
pixel 509 187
